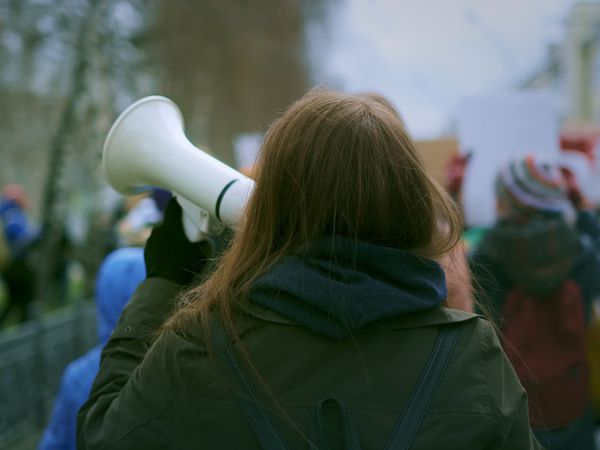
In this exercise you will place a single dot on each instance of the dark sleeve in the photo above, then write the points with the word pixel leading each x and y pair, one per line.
pixel 586 272
pixel 507 398
pixel 132 388
pixel 589 225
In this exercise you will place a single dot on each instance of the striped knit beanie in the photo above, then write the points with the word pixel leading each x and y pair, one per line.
pixel 528 185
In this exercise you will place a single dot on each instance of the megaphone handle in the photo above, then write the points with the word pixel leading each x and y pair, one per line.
pixel 191 230
pixel 194 219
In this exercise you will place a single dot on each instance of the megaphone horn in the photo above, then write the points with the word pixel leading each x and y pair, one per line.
pixel 146 146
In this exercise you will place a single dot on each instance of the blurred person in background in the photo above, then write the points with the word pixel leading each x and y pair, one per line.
pixel 140 213
pixel 539 268
pixel 117 278
pixel 126 221
pixel 161 198
pixel 19 235
pixel 328 302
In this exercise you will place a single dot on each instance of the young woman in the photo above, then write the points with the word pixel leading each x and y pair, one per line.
pixel 328 301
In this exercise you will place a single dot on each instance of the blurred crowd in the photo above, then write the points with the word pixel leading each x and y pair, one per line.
pixel 130 220
pixel 535 274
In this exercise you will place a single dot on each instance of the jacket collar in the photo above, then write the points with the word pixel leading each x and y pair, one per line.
pixel 337 285
pixel 433 317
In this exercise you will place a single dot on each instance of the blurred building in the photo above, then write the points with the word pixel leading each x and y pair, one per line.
pixel 571 74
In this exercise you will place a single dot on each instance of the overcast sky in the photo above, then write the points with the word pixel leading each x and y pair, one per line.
pixel 426 55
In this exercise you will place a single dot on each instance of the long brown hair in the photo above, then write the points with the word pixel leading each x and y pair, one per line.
pixel 333 164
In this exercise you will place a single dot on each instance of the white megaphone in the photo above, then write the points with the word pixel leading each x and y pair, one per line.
pixel 146 146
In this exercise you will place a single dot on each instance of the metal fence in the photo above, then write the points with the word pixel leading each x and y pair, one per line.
pixel 32 359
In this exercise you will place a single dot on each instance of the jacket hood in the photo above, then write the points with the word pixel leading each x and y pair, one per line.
pixel 118 277
pixel 537 256
pixel 337 285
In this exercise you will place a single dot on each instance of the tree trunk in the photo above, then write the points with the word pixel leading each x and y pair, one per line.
pixel 52 223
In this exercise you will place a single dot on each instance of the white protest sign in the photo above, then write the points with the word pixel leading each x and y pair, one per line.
pixel 494 129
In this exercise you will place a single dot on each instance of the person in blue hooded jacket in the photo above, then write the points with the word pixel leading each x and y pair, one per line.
pixel 118 277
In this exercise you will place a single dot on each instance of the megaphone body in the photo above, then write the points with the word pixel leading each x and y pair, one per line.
pixel 146 146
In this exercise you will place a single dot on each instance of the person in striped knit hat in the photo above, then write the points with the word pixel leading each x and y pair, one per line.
pixel 541 240
pixel 529 187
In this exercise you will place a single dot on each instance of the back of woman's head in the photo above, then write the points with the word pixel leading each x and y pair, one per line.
pixel 379 98
pixel 333 164
pixel 337 164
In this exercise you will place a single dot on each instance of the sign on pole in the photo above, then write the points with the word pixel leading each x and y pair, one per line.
pixel 494 129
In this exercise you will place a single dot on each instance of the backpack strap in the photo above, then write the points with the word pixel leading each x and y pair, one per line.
pixel 248 400
pixel 405 428
pixel 429 381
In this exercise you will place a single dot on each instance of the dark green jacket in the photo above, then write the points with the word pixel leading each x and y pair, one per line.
pixel 168 395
